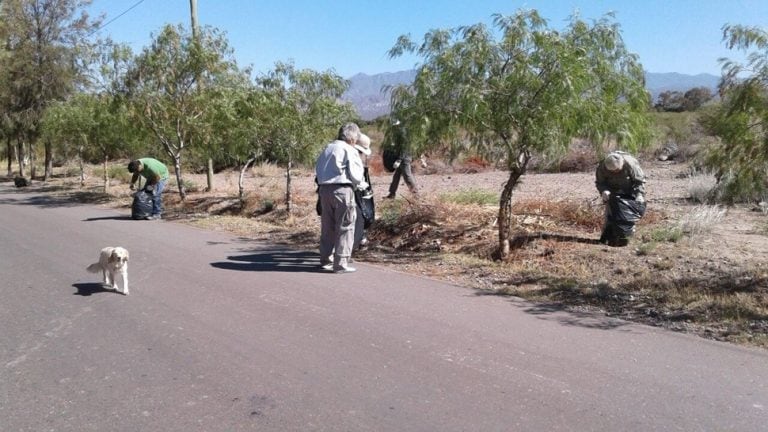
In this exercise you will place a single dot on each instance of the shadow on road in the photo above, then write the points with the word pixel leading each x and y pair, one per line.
pixel 273 261
pixel 86 289
pixel 574 318
pixel 73 199
pixel 128 218
pixel 561 314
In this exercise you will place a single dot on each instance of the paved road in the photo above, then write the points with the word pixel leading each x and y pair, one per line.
pixel 227 334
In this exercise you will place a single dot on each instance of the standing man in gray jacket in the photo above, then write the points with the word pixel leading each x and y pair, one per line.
pixel 339 171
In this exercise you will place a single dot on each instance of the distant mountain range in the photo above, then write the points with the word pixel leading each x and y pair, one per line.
pixel 367 94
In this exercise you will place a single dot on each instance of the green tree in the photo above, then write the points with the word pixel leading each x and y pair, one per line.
pixel 694 98
pixel 670 101
pixel 302 113
pixel 234 119
pixel 163 87
pixel 740 160
pixel 532 91
pixel 91 123
pixel 45 40
pixel 68 125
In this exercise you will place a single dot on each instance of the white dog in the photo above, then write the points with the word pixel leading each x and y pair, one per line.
pixel 113 262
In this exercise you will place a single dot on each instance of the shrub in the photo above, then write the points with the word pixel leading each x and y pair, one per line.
pixel 700 188
pixel 669 234
pixel 569 212
pixel 645 248
pixel 701 219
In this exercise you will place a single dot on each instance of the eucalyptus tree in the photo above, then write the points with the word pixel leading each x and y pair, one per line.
pixel 45 39
pixel 740 159
pixel 530 92
pixel 302 113
pixel 162 85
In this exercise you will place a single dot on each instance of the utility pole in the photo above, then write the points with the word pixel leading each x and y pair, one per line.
pixel 196 38
pixel 193 12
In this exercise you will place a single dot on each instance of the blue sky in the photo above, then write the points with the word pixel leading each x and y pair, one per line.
pixel 354 36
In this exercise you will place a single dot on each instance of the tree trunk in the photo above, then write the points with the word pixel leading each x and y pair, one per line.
pixel 32 161
pixel 240 189
pixel 9 146
pixel 48 160
pixel 106 174
pixel 505 203
pixel 20 156
pixel 82 165
pixel 210 175
pixel 179 181
pixel 288 198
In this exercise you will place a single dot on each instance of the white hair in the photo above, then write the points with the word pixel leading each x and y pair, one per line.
pixel 349 132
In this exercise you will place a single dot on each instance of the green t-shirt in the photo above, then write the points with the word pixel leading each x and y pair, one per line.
pixel 154 170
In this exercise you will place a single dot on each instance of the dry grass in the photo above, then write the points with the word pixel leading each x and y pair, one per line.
pixel 701 220
pixel 700 187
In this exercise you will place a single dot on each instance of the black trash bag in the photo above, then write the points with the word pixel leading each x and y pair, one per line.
pixel 367 207
pixel 318 205
pixel 388 158
pixel 142 204
pixel 621 215
pixel 365 201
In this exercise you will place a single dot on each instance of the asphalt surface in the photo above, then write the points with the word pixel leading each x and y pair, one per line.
pixel 228 334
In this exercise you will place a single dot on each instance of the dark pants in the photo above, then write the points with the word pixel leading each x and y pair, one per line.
pixel 404 171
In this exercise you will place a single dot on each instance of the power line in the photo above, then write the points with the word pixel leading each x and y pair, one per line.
pixel 115 18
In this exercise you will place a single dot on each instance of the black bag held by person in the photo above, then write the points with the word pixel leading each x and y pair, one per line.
pixel 389 157
pixel 142 204
pixel 622 213
pixel 364 200
pixel 318 205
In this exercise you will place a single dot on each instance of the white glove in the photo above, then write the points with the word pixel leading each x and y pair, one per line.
pixel 606 195
pixel 640 198
pixel 423 161
pixel 362 186
pixel 396 165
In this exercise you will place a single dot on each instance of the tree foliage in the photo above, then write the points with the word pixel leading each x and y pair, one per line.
pixel 301 112
pixel 677 101
pixel 163 86
pixel 531 91
pixel 44 42
pixel 740 160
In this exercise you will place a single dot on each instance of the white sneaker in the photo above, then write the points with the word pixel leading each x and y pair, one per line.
pixel 327 266
pixel 344 269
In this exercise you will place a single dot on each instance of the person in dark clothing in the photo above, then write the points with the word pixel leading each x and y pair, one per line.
pixel 621 183
pixel 402 165
pixel 364 197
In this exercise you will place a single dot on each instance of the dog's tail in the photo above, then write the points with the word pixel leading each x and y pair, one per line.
pixel 94 268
